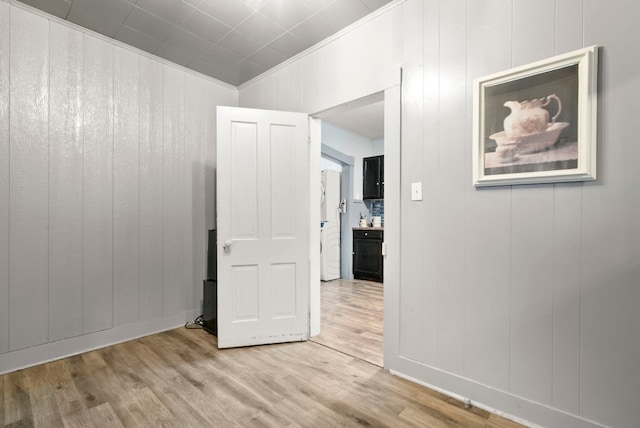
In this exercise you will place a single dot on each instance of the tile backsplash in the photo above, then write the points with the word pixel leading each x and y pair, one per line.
pixel 376 208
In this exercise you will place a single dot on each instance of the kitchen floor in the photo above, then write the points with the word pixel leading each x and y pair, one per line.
pixel 352 317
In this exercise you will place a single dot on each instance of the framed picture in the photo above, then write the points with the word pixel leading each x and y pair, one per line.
pixel 537 123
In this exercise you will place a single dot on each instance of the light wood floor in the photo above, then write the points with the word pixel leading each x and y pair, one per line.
pixel 352 316
pixel 180 379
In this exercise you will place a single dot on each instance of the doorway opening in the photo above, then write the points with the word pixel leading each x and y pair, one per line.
pixel 352 299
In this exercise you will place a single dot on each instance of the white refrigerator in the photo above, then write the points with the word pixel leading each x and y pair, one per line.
pixel 330 211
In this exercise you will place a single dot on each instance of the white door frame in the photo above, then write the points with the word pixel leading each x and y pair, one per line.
pixel 391 246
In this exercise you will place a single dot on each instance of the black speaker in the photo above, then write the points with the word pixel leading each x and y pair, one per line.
pixel 212 253
pixel 210 307
pixel 210 292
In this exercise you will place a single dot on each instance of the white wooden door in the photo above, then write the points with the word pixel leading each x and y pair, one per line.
pixel 263 226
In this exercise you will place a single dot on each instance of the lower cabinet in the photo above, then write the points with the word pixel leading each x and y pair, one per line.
pixel 367 254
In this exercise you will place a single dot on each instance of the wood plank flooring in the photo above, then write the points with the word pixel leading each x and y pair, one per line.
pixel 180 378
pixel 352 317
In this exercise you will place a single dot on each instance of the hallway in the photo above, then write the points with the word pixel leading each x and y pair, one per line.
pixel 352 318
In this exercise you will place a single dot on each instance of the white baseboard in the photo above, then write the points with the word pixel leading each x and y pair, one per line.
pixel 513 407
pixel 28 357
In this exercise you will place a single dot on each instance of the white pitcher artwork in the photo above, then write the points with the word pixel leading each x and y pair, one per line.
pixel 527 129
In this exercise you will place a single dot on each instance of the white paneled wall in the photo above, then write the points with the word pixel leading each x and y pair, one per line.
pixel 5 46
pixel 28 180
pixel 523 298
pixel 66 153
pixel 102 189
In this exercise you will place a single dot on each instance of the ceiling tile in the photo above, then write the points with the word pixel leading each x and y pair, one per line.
pixel 189 43
pixel 318 4
pixel 287 13
pixel 313 30
pixel 260 28
pixel 174 11
pixel 137 39
pixel 344 12
pixel 113 10
pixel 175 54
pixel 239 44
pixel 255 4
pixel 230 12
pixel 149 24
pixel 59 8
pixel 87 18
pixel 221 56
pixel 212 69
pixel 266 58
pixel 205 26
pixel 288 45
pixel 375 4
pixel 248 70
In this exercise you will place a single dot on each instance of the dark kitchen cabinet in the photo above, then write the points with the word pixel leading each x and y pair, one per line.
pixel 373 177
pixel 367 254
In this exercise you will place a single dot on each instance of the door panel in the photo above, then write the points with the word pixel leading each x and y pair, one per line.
pixel 263 227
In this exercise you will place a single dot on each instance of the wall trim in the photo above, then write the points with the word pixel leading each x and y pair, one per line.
pixel 532 414
pixel 40 354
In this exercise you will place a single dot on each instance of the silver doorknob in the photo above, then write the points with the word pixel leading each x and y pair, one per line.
pixel 227 245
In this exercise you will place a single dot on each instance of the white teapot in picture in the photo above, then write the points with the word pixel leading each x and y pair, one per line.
pixel 529 117
pixel 528 129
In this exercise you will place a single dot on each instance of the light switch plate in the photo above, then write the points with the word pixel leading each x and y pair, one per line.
pixel 416 191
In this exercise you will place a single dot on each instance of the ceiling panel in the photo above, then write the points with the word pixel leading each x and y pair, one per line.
pixel 313 30
pixel 59 8
pixel 137 39
pixel 149 24
pixel 288 13
pixel 230 12
pixel 205 26
pixel 344 12
pixel 239 44
pixel 260 28
pixel 93 20
pixel 174 11
pixel 230 40
pixel 288 45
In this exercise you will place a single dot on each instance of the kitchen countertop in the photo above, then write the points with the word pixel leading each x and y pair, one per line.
pixel 368 228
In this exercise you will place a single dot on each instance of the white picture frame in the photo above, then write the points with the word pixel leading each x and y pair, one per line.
pixel 537 123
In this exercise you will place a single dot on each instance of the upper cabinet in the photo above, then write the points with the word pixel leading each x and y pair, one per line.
pixel 373 177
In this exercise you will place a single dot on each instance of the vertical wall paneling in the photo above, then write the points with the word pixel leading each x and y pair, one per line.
pixel 538 19
pixel 488 216
pixel 532 235
pixel 566 296
pixel 531 292
pixel 194 191
pixel 411 312
pixel 210 158
pixel 29 162
pixel 610 295
pixel 451 187
pixel 566 257
pixel 126 188
pixel 569 25
pixel 173 192
pixel 66 81
pixel 151 131
pixel 5 38
pixel 98 184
